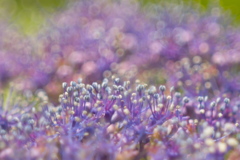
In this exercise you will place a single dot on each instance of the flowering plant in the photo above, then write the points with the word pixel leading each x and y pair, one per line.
pixel 122 120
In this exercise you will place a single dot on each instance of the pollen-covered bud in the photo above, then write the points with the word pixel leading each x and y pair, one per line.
pixel 218 100
pixel 75 94
pixel 139 88
pixel 120 88
pixel 28 129
pixel 232 142
pixel 79 81
pixel 162 88
pixel 89 88
pixel 185 100
pixel 99 96
pixel 64 101
pixel 95 85
pixel 177 95
pixel 202 111
pixel 66 94
pixel 71 112
pixel 226 100
pixel 59 109
pixel 115 107
pixel 151 90
pixel 77 119
pixel 220 115
pixel 115 87
pixel 117 81
pixel 108 90
pixel 104 85
pixel 15 119
pixel 73 84
pixel 235 110
pixel 126 84
pixel 81 86
pixel 87 98
pixel 133 95
pixel 156 96
pixel 209 142
pixel 64 85
pixel 169 97
pixel 229 127
pixel 178 106
pixel 105 80
pixel 31 121
pixel 69 89
pixel 77 99
pixel 52 111
pixel 172 89
pixel 200 99
pixel 2 132
pixel 126 111
pixel 212 104
pixel 222 108
pixel 84 113
pixel 77 87
pixel 113 97
pixel 25 117
pixel 222 147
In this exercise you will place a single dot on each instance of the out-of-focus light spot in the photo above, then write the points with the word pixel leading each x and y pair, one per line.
pixel 203 47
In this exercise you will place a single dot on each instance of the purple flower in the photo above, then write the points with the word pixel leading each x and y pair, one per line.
pixel 198 118
pixel 122 117
pixel 100 39
pixel 89 39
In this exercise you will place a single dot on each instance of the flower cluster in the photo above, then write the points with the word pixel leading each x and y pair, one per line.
pixel 100 39
pixel 195 115
pixel 14 54
pixel 97 39
pixel 91 37
pixel 20 62
pixel 121 120
pixel 191 48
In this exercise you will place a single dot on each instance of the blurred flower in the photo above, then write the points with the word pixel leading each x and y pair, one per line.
pixel 89 38
pixel 187 49
pixel 95 40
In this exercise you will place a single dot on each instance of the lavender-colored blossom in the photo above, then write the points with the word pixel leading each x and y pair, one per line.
pixel 89 37
pixel 187 48
pixel 20 62
pixel 14 53
pixel 197 119
pixel 102 38
pixel 121 120
pixel 99 39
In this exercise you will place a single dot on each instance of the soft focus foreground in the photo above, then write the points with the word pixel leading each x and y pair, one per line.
pixel 194 115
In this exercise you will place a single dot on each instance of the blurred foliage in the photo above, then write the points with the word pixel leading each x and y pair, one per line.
pixel 30 15
pixel 233 6
pixel 202 3
pixel 11 98
pixel 229 6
